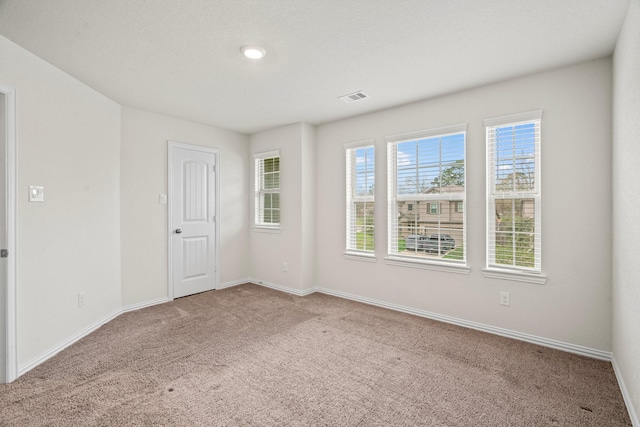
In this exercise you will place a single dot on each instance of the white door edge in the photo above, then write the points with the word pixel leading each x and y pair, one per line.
pixel 11 345
pixel 171 145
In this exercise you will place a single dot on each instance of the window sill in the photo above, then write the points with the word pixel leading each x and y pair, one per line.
pixel 518 276
pixel 428 265
pixel 359 256
pixel 266 229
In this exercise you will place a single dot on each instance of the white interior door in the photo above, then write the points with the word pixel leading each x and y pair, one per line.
pixel 193 239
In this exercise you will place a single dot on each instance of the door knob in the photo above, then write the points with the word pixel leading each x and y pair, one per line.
pixel 178 230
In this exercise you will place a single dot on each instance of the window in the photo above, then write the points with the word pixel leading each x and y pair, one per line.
pixel 459 206
pixel 267 189
pixel 427 170
pixel 513 179
pixel 360 197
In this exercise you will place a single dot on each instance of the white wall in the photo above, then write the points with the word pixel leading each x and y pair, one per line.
pixel 574 306
pixel 294 243
pixel 68 140
pixel 144 219
pixel 626 207
pixel 308 209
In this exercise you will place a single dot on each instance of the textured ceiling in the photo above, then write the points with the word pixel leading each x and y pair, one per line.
pixel 181 57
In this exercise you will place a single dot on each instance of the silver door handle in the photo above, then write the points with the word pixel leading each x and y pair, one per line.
pixel 178 230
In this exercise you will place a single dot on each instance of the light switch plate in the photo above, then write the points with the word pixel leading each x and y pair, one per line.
pixel 36 194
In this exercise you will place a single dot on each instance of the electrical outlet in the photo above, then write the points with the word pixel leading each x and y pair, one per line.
pixel 285 267
pixel 505 298
pixel 80 299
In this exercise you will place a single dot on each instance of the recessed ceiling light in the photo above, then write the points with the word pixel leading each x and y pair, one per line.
pixel 253 52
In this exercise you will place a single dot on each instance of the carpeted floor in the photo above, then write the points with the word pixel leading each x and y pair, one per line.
pixel 248 355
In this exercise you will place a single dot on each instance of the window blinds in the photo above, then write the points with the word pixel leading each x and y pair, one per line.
pixel 360 192
pixel 267 189
pixel 513 179
pixel 426 193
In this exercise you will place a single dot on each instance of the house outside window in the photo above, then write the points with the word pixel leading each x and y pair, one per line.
pixel 426 170
pixel 514 196
pixel 360 191
pixel 434 208
pixel 267 190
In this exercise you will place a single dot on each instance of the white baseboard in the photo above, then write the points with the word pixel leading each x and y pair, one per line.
pixel 23 369
pixel 144 304
pixel 296 292
pixel 545 342
pixel 232 283
pixel 625 394
pixel 533 339
pixel 26 367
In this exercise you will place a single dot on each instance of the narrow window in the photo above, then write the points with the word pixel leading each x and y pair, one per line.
pixel 267 189
pixel 360 161
pixel 513 179
pixel 427 170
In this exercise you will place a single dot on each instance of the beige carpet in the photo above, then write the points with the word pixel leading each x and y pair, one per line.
pixel 253 356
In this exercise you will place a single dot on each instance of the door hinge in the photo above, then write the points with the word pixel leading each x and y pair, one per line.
pixel 214 218
pixel 4 253
pixel 213 167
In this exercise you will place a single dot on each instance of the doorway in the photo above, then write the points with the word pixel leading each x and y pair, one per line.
pixel 193 212
pixel 8 345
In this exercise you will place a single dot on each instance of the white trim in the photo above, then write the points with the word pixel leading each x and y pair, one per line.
pixel 515 275
pixel 144 304
pixel 492 195
pixel 293 291
pixel 259 191
pixel 265 229
pixel 520 336
pixel 393 257
pixel 11 343
pixel 533 339
pixel 427 265
pixel 360 144
pixel 267 154
pixel 545 342
pixel 513 118
pixel 440 131
pixel 233 283
pixel 360 256
pixel 23 369
pixel 202 149
pixel 635 421
pixel 351 175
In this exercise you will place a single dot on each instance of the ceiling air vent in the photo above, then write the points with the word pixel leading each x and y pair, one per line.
pixel 355 96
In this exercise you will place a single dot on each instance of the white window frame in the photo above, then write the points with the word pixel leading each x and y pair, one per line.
pixel 504 271
pixel 393 257
pixel 260 192
pixel 352 198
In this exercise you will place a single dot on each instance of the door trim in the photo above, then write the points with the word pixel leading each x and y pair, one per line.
pixel 171 145
pixel 11 346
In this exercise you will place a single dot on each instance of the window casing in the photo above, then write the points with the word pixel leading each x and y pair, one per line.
pixel 267 189
pixel 513 192
pixel 427 170
pixel 360 190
